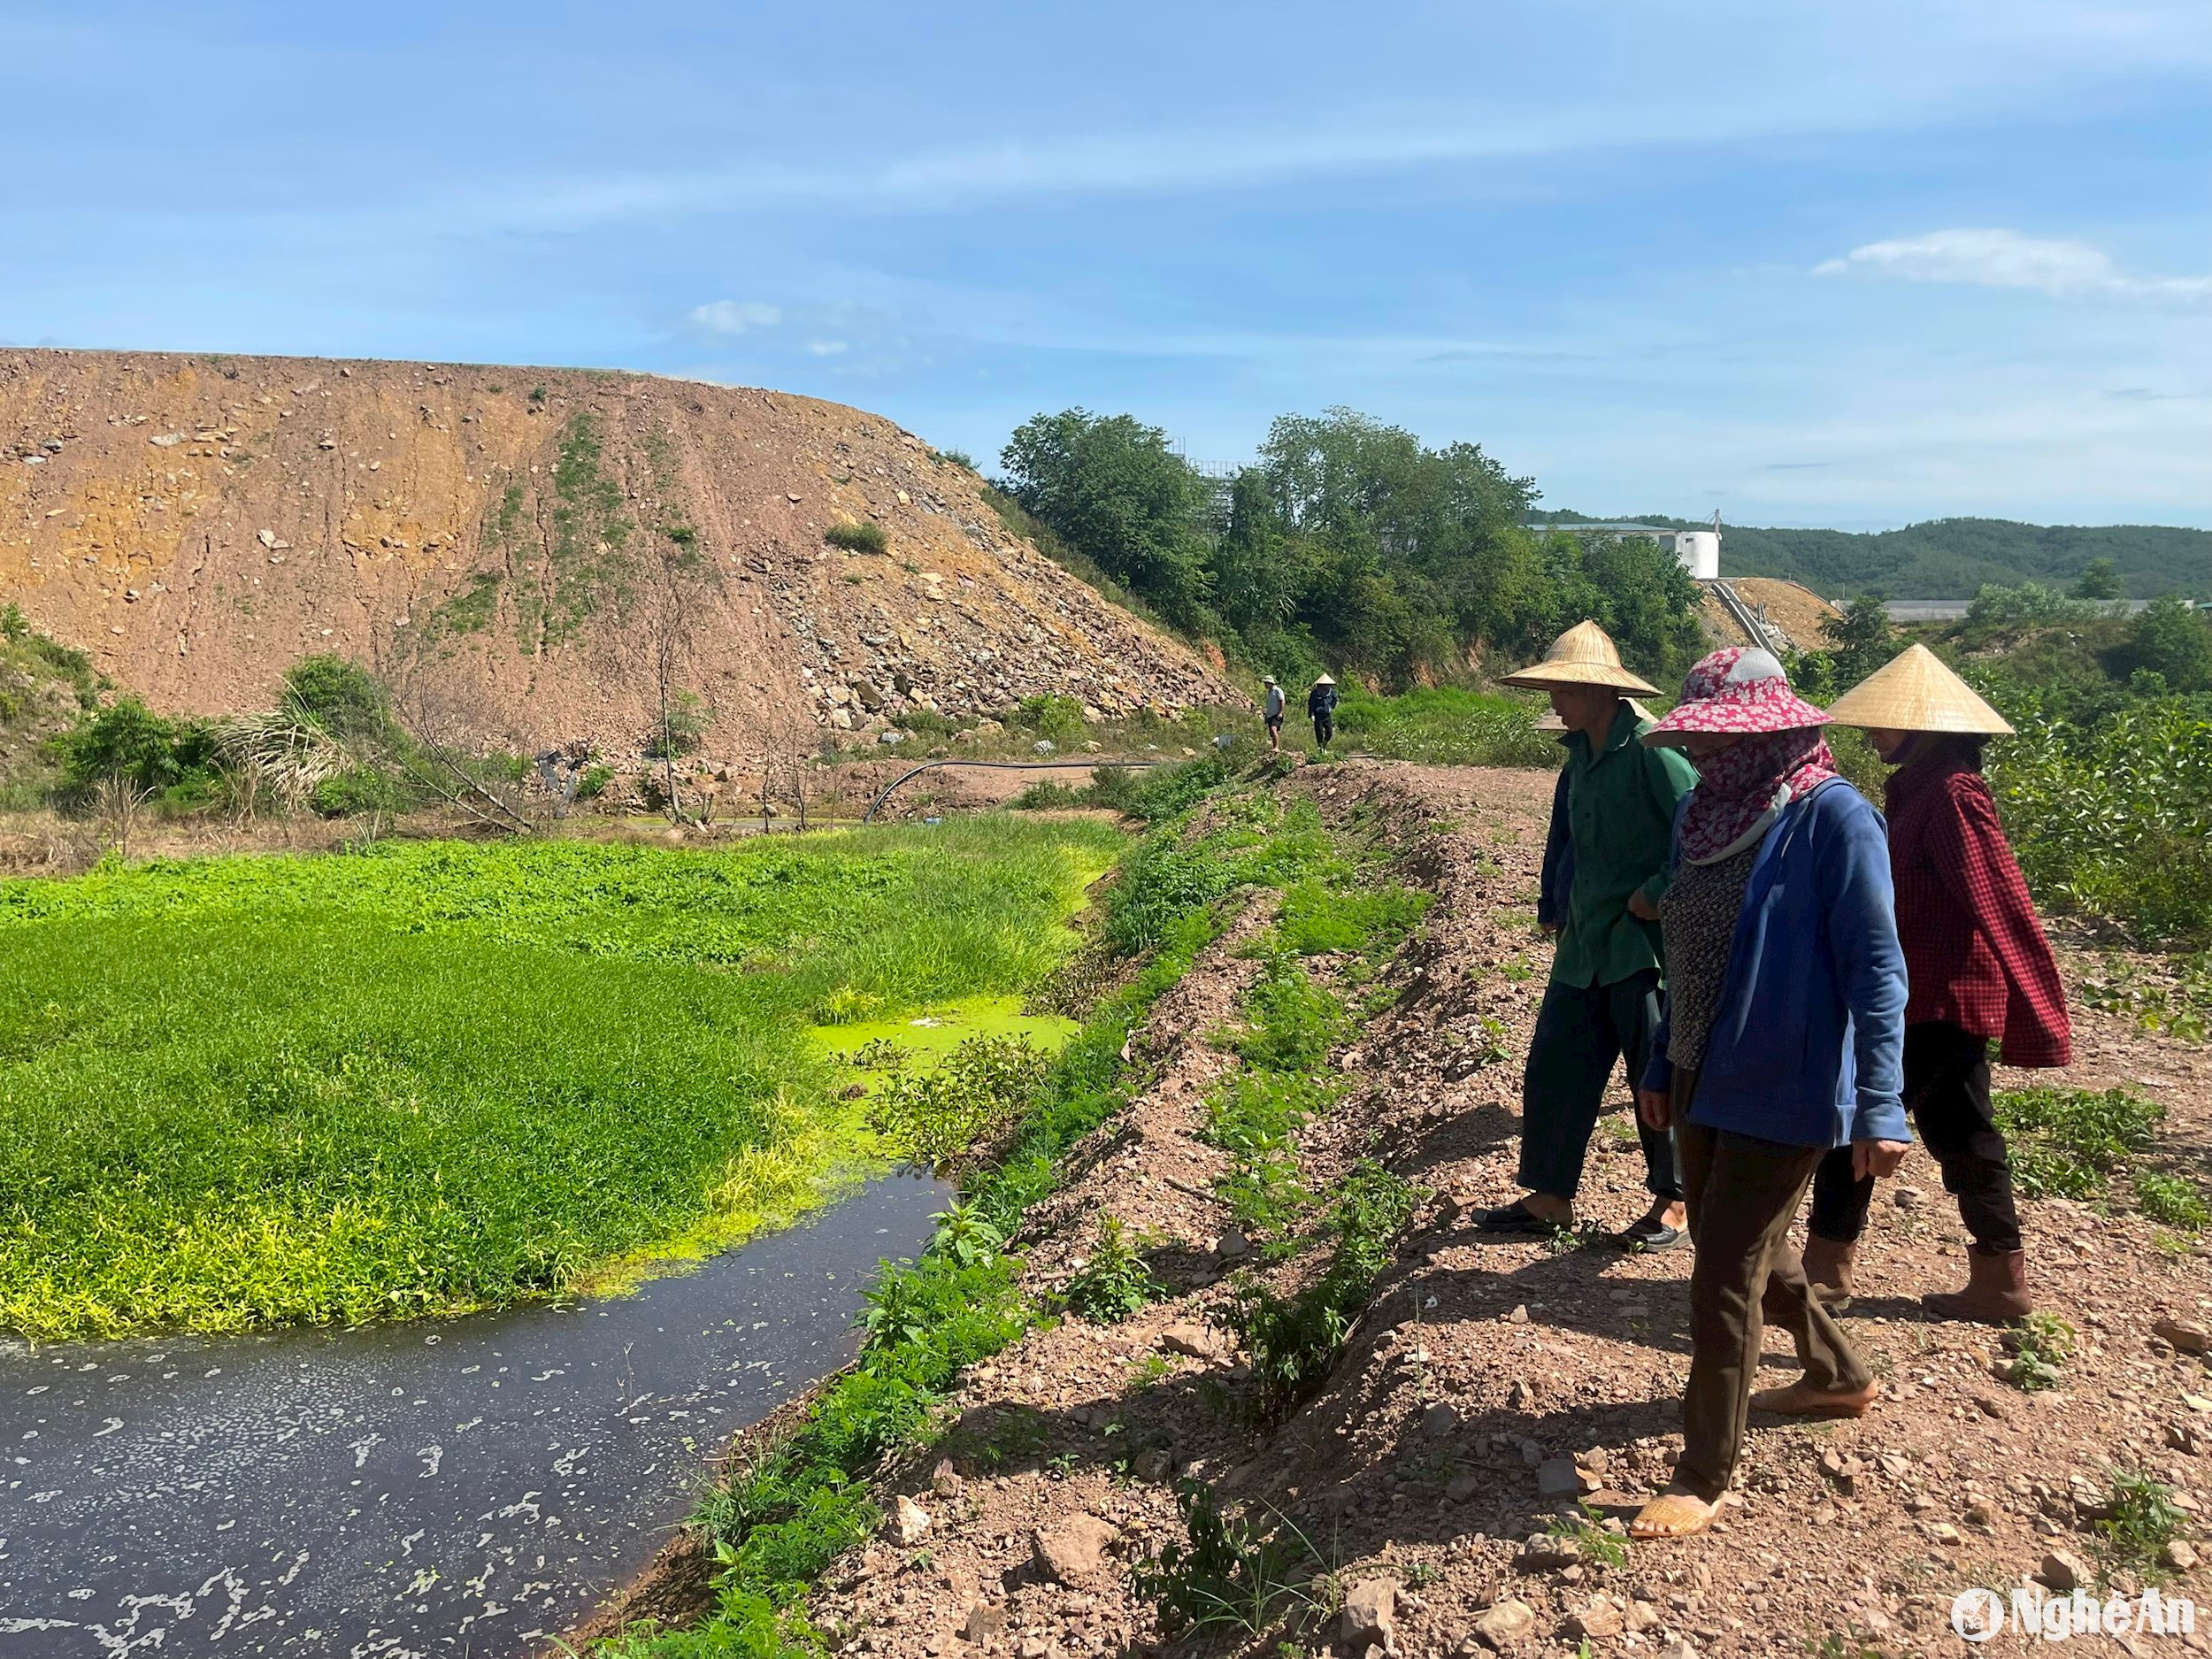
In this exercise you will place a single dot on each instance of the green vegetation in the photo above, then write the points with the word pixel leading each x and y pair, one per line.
pixel 2066 1143
pixel 429 1076
pixel 2142 1519
pixel 1117 1281
pixel 1295 1340
pixel 1953 558
pixel 960 1110
pixel 865 537
pixel 1348 543
pixel 2040 1344
pixel 1445 726
pixel 2172 1201
pixel 1583 1529
pixel 1238 1572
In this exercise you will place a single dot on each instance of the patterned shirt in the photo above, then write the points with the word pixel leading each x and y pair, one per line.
pixel 1975 955
pixel 1698 918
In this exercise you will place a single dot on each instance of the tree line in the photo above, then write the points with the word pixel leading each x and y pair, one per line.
pixel 1348 544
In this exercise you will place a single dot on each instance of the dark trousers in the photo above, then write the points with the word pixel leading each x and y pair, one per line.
pixel 1947 1089
pixel 1742 1194
pixel 1323 729
pixel 1581 1032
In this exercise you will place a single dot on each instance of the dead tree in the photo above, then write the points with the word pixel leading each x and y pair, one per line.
pixel 682 579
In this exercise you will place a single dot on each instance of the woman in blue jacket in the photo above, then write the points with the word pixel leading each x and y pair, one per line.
pixel 1782 1037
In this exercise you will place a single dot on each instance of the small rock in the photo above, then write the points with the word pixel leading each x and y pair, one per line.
pixel 1370 1615
pixel 1557 1479
pixel 1461 1487
pixel 2186 1334
pixel 1908 1197
pixel 1600 1621
pixel 909 1521
pixel 1519 1316
pixel 1232 1245
pixel 1034 1647
pixel 1441 1418
pixel 2064 1573
pixel 1154 1465
pixel 1075 1550
pixel 1544 1553
pixel 1678 1648
pixel 267 538
pixel 1943 1532
pixel 1642 1615
pixel 945 1480
pixel 1198 1341
pixel 1990 1406
pixel 985 1620
pixel 1043 746
pixel 1521 1396
pixel 2180 1554
pixel 1503 1625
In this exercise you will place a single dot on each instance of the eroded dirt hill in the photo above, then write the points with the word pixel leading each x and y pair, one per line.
pixel 492 539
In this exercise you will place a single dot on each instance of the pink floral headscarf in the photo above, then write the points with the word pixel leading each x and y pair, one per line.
pixel 1742 789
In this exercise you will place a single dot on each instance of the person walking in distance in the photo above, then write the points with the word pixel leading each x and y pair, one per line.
pixel 1980 972
pixel 1271 706
pixel 1321 709
pixel 1605 869
pixel 1785 1017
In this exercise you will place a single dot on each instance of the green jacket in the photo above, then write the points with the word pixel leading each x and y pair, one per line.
pixel 1620 805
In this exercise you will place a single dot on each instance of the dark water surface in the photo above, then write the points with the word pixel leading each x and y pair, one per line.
pixel 457 1488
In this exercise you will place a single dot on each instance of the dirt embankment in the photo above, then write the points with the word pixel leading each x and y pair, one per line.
pixel 494 541
pixel 1487 1379
pixel 1796 610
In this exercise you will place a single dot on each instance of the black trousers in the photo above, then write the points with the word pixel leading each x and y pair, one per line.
pixel 1946 1090
pixel 1323 729
pixel 1582 1031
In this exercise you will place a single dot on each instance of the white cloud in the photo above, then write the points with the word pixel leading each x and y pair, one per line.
pixel 826 347
pixel 2005 259
pixel 734 317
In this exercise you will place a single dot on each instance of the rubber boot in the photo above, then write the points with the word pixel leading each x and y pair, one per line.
pixel 1996 1289
pixel 1828 1270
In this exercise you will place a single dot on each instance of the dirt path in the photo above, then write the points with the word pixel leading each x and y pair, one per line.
pixel 1479 1365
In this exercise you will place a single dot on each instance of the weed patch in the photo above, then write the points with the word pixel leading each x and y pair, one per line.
pixel 2144 1519
pixel 1236 1573
pixel 2066 1143
pixel 1117 1281
pixel 2040 1344
pixel 865 537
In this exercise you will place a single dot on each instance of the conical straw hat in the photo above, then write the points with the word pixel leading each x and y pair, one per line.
pixel 1914 691
pixel 1584 655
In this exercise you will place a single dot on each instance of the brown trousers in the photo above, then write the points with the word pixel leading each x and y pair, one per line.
pixel 1742 1194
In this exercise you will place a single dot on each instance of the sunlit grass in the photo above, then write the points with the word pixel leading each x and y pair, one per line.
pixel 246 1091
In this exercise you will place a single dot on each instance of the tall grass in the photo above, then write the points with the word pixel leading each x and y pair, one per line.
pixel 250 1090
pixel 1445 726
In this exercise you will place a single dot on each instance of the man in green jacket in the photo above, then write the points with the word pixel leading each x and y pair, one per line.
pixel 1605 868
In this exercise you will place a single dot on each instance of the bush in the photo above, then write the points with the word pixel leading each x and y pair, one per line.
pixel 960 1109
pixel 126 739
pixel 865 537
pixel 2065 1142
pixel 1058 718
pixel 360 790
pixel 594 783
pixel 342 699
pixel 1117 1281
pixel 684 730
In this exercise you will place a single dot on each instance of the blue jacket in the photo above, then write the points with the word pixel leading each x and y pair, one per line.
pixel 1809 1045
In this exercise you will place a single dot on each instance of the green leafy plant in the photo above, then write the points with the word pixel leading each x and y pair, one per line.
pixel 961 1108
pixel 2040 1344
pixel 1117 1281
pixel 2142 1519
pixel 2065 1142
pixel 2172 1201
pixel 866 536
pixel 1585 1530
pixel 965 1236
pixel 1236 1572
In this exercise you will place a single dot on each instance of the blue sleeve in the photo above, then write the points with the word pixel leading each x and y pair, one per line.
pixel 1659 1073
pixel 1559 861
pixel 1852 868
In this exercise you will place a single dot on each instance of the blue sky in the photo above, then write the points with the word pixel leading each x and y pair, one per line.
pixel 1853 263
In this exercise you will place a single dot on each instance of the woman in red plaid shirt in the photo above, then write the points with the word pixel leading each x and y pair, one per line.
pixel 1980 971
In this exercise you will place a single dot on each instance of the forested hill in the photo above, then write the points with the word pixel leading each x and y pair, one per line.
pixel 1952 558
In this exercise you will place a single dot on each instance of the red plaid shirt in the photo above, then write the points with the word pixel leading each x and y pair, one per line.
pixel 1975 955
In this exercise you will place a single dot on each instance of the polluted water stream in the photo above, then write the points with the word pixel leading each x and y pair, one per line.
pixel 469 1486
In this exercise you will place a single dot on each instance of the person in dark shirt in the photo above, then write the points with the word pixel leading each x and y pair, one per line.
pixel 1980 969
pixel 1321 709
pixel 1604 859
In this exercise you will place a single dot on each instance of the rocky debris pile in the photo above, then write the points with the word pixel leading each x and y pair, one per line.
pixel 515 548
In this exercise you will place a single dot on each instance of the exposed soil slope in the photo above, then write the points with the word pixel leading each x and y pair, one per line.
pixel 488 538
pixel 1483 1370
pixel 1790 606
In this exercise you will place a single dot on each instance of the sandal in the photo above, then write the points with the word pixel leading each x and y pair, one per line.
pixel 1516 1217
pixel 1648 1234
pixel 1672 1514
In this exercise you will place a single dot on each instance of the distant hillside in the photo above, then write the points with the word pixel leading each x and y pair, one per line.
pixel 1951 559
pixel 504 543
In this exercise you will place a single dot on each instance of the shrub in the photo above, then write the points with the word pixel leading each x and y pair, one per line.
pixel 1049 715
pixel 1318 916
pixel 684 730
pixel 1294 1022
pixel 1117 1281
pixel 594 783
pixel 865 537
pixel 126 739
pixel 360 790
pixel 342 699
pixel 961 1108
pixel 2143 1519
pixel 2040 1344
pixel 1233 1574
